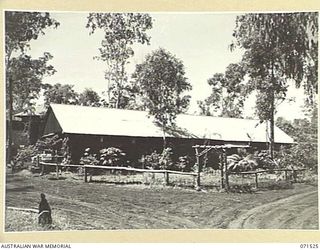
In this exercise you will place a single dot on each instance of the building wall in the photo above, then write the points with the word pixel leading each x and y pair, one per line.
pixel 135 147
pixel 51 124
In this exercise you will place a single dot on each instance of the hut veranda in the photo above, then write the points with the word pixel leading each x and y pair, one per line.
pixel 136 133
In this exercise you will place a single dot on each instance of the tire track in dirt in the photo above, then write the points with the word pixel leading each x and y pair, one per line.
pixel 288 213
pixel 154 218
pixel 108 215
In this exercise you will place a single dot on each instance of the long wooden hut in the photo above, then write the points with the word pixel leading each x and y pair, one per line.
pixel 136 133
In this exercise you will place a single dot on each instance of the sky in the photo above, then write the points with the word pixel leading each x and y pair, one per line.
pixel 200 40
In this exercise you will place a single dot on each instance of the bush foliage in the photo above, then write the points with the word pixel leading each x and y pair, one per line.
pixel 303 154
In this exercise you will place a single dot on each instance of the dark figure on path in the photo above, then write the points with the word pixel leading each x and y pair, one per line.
pixel 44 211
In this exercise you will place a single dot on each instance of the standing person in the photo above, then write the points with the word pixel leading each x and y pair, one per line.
pixel 44 211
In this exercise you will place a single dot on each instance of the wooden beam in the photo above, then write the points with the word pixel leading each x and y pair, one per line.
pixel 228 146
pixel 24 209
pixel 120 168
pixel 205 151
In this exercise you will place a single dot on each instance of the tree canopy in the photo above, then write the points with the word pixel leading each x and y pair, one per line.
pixel 60 94
pixel 22 27
pixel 278 47
pixel 23 74
pixel 304 153
pixel 228 93
pixel 89 98
pixel 26 75
pixel 161 82
pixel 121 31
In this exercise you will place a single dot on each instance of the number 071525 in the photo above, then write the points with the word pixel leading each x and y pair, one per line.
pixel 309 246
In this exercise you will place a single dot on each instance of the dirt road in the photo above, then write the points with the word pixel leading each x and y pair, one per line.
pixel 295 212
pixel 77 205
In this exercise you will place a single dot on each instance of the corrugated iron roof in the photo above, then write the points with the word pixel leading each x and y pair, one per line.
pixel 119 122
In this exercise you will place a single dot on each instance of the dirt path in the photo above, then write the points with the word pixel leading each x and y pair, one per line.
pixel 295 212
pixel 77 206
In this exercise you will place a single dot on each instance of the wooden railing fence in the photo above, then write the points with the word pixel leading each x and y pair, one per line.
pixel 196 175
pixel 86 167
pixel 255 173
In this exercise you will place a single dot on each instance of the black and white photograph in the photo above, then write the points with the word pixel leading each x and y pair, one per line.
pixel 160 120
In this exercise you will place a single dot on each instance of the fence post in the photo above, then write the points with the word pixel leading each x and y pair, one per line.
pixel 286 175
pixel 256 180
pixel 57 169
pixel 142 161
pixel 39 165
pixel 294 173
pixel 225 166
pixel 85 175
pixel 166 178
pixel 57 166
pixel 221 171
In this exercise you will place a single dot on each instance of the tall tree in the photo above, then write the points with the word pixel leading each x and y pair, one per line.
pixel 121 31
pixel 26 74
pixel 20 29
pixel 278 47
pixel 60 94
pixel 228 93
pixel 89 98
pixel 161 81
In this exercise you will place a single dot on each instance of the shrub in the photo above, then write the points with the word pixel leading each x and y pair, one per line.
pixel 166 159
pixel 152 160
pixel 25 154
pixel 112 156
pixel 88 158
pixel 184 163
pixel 159 161
pixel 265 161
pixel 237 163
pixel 298 156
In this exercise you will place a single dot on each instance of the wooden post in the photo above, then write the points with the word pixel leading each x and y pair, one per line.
pixel 256 180
pixel 221 171
pixel 294 173
pixel 39 166
pixel 166 178
pixel 57 169
pixel 225 166
pixel 286 174
pixel 198 169
pixel 143 162
pixel 85 175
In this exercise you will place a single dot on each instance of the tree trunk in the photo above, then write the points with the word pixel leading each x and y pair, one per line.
pixel 118 98
pixel 271 146
pixel 108 91
pixel 164 137
pixel 9 128
pixel 10 108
